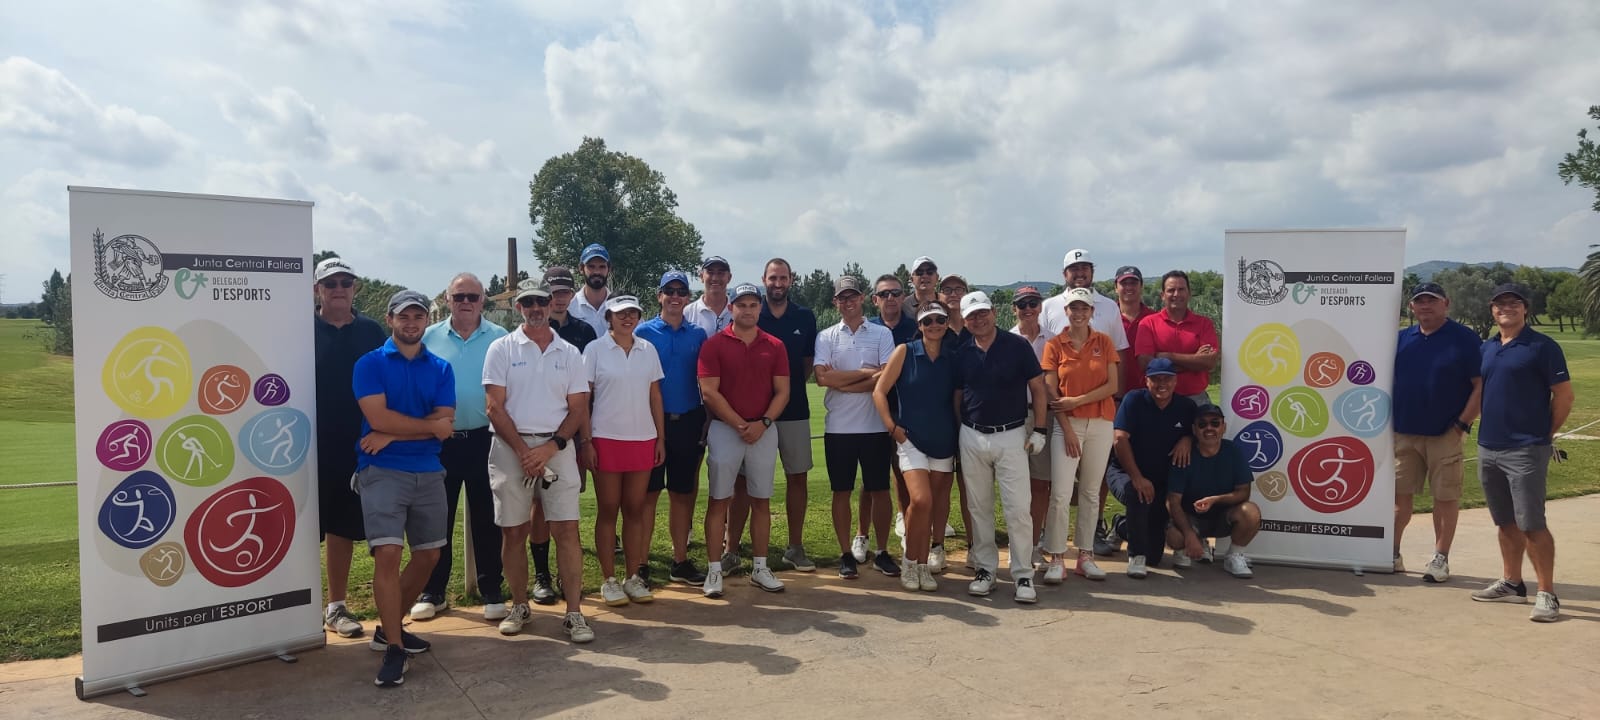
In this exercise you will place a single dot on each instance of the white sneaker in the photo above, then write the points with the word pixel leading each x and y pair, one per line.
pixel 1207 554
pixel 520 615
pixel 1236 566
pixel 1546 608
pixel 636 590
pixel 425 610
pixel 910 575
pixel 982 585
pixel 1136 568
pixel 578 629
pixel 1438 569
pixel 1038 556
pixel 925 579
pixel 611 592
pixel 712 588
pixel 900 527
pixel 858 549
pixel 1055 572
pixel 1088 568
pixel 495 611
pixel 949 530
pixel 1399 564
pixel 936 559
pixel 763 578
pixel 1025 592
pixel 1181 561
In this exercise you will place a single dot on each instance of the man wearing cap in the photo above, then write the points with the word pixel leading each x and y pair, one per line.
pixel 1152 436
pixel 1527 395
pixel 924 285
pixel 999 378
pixel 744 378
pixel 712 311
pixel 407 397
pixel 591 306
pixel 463 340
pixel 1186 338
pixel 1077 270
pixel 1437 387
pixel 1210 498
pixel 848 358
pixel 1026 302
pixel 341 336
pixel 537 393
pixel 563 290
pixel 1130 300
pixel 678 343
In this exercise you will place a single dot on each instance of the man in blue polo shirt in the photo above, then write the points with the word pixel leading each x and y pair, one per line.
pixel 1152 435
pixel 1437 386
pixel 1527 395
pixel 407 397
pixel 462 340
pixel 999 378
pixel 678 343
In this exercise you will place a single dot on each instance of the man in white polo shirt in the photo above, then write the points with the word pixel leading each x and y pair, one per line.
pixel 538 400
pixel 1077 271
pixel 848 358
pixel 713 311
pixel 590 305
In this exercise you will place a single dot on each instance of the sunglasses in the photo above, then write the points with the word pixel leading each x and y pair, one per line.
pixel 1026 304
pixel 926 272
pixel 1212 423
pixel 533 300
pixel 675 292
pixel 332 283
pixel 953 290
pixel 466 297
pixel 932 320
pixel 886 294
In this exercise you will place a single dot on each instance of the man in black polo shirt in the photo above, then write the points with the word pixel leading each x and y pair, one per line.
pixel 1152 435
pixel 342 337
pixel 571 328
pixel 997 373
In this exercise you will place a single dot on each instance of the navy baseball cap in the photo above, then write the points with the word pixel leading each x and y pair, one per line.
pixel 745 289
pixel 595 250
pixel 1159 366
pixel 715 260
pixel 1429 288
pixel 1510 289
pixel 1208 409
pixel 1129 271
pixel 672 276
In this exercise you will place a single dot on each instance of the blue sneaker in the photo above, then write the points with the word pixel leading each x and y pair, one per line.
pixel 411 643
pixel 393 670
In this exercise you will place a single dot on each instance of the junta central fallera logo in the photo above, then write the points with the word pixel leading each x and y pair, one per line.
pixel 128 267
pixel 1262 282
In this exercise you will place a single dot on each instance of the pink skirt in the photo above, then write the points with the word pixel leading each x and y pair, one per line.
pixel 620 456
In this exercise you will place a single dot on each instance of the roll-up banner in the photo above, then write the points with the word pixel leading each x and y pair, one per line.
pixel 194 397
pixel 1310 319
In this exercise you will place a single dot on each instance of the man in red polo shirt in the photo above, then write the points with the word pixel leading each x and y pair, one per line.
pixel 1188 339
pixel 744 378
pixel 1130 299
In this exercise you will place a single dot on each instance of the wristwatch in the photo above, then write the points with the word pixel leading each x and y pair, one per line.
pixel 766 421
pixel 1464 427
pixel 561 442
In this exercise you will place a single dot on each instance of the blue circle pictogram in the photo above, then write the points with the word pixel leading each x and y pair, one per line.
pixel 1261 444
pixel 139 510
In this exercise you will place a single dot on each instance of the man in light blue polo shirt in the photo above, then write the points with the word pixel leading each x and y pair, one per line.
pixel 462 340
pixel 1527 395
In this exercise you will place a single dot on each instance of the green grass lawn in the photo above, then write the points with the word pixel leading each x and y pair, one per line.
pixel 38 539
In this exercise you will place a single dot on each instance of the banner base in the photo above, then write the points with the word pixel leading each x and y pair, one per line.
pixel 135 682
pixel 1347 565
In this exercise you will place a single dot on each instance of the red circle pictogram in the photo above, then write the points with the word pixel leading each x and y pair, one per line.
pixel 241 533
pixel 1332 475
pixel 1324 369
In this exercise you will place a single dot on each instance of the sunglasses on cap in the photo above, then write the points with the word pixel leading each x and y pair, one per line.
pixel 466 297
pixel 932 320
pixel 331 283
pixel 886 294
pixel 675 292
pixel 533 300
pixel 1210 423
pixel 1028 304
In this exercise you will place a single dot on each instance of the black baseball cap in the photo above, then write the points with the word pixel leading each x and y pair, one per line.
pixel 558 277
pixel 1129 271
pixel 1429 288
pixel 1510 289
pixel 1208 409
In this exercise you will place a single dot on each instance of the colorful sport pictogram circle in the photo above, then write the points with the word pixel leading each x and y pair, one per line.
pixel 1361 373
pixel 272 390
pixel 196 450
pixel 1332 475
pixel 1270 355
pixel 1324 370
pixel 242 532
pixel 223 389
pixel 1273 485
pixel 163 564
pixel 147 373
pixel 1252 402
pixel 1300 411
pixel 1261 445
pixel 139 510
pixel 277 440
pixel 1364 411
pixel 124 446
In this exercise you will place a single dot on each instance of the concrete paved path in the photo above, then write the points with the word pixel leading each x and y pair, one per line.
pixel 1290 643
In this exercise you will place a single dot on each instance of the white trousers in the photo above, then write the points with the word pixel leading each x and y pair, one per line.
pixel 1086 472
pixel 1000 459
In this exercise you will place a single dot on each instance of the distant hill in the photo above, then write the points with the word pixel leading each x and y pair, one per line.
pixel 1426 270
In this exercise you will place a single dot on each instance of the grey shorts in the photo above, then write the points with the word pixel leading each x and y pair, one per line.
pixel 727 453
pixel 794 445
pixel 397 505
pixel 1514 485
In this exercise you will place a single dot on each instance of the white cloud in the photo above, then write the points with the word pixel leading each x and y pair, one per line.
pixel 39 103
pixel 405 143
pixel 280 120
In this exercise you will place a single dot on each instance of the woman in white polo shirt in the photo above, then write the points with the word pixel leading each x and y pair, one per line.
pixel 626 427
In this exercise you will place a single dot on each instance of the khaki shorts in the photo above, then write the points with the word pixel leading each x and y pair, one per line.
pixel 1432 460
pixel 513 499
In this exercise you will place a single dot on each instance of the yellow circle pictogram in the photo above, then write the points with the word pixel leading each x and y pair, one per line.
pixel 1270 355
pixel 147 374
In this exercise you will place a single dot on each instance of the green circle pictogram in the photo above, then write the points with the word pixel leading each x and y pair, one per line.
pixel 196 450
pixel 1300 411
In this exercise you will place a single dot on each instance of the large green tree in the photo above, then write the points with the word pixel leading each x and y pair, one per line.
pixel 595 195
pixel 1583 167
pixel 1469 288
pixel 55 308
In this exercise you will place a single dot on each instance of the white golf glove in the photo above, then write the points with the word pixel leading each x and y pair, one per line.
pixel 1036 441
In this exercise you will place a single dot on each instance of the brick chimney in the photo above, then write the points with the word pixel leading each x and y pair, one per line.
pixel 511 263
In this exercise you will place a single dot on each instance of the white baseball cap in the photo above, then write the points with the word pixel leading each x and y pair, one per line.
pixel 1073 257
pixel 923 260
pixel 330 267
pixel 1082 295
pixel 623 302
pixel 972 302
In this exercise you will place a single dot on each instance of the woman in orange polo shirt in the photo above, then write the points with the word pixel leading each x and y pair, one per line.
pixel 1081 375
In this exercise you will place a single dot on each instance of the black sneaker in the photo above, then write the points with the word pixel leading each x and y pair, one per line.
pixel 685 572
pixel 411 643
pixel 1107 539
pixel 847 567
pixel 885 564
pixel 544 591
pixel 644 574
pixel 393 670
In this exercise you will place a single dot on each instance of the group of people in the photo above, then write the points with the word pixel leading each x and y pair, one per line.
pixel 1085 394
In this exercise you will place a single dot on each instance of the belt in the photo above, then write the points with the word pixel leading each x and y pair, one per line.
pixel 461 434
pixel 538 435
pixel 679 416
pixel 992 429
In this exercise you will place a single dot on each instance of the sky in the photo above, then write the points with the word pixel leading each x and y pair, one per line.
pixel 992 136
